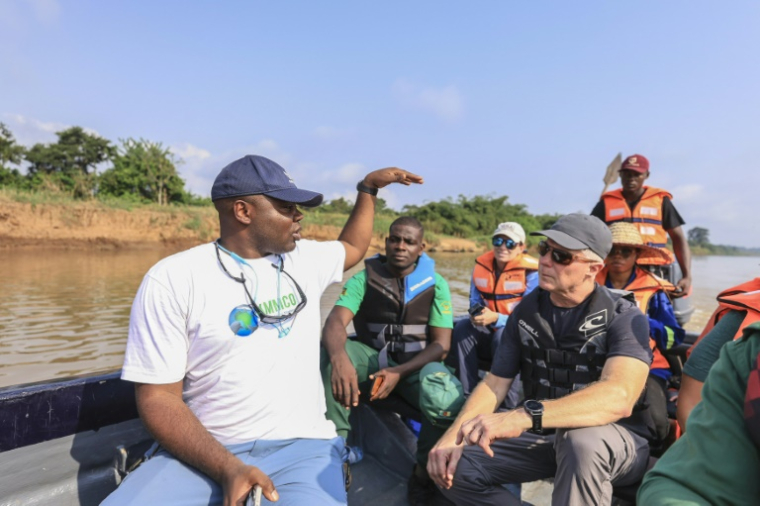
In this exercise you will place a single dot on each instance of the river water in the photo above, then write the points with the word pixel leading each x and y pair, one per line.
pixel 66 312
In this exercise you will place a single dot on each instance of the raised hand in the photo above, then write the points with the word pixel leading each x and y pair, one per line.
pixel 383 177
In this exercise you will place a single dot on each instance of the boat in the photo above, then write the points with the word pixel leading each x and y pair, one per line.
pixel 70 442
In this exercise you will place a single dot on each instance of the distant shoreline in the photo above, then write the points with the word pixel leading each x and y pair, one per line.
pixel 95 225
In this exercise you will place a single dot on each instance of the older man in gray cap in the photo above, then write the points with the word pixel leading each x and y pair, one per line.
pixel 583 352
pixel 223 349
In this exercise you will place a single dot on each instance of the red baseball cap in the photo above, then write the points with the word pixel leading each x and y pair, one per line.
pixel 637 163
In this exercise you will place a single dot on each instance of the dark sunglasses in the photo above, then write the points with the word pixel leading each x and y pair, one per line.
pixel 508 243
pixel 263 317
pixel 623 252
pixel 560 256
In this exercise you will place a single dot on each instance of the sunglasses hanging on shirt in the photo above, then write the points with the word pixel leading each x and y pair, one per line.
pixel 277 320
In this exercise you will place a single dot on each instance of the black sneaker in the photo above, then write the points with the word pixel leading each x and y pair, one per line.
pixel 421 489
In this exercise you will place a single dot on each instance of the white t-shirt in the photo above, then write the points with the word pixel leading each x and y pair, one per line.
pixel 241 388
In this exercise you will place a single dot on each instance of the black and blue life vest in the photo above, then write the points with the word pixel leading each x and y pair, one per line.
pixel 551 372
pixel 393 316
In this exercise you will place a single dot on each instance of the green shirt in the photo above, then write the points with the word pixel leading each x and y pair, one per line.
pixel 440 313
pixel 715 461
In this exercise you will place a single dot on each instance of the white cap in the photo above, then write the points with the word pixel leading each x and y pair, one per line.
pixel 512 230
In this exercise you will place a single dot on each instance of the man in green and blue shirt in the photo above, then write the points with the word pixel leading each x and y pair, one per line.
pixel 401 310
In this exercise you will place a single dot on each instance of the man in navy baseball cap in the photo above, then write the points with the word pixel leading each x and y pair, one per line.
pixel 256 175
pixel 224 350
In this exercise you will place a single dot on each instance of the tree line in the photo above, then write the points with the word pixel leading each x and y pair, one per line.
pixel 699 240
pixel 140 170
pixel 467 217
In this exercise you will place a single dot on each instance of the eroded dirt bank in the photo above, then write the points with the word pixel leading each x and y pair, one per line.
pixel 92 225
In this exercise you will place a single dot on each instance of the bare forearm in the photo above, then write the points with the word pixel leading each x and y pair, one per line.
pixel 357 233
pixel 178 430
pixel 598 404
pixel 483 400
pixel 689 396
pixel 334 337
pixel 683 252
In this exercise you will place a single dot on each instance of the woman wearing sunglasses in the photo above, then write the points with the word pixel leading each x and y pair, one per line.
pixel 501 278
pixel 652 296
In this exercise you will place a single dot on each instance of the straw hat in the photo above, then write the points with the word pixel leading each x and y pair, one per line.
pixel 627 234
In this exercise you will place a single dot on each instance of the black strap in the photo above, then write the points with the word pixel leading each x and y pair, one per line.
pixel 555 375
pixel 559 357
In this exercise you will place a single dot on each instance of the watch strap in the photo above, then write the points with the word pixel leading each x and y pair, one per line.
pixel 536 417
pixel 360 186
pixel 537 423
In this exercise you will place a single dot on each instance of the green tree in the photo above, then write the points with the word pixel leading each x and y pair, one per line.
pixel 146 170
pixel 473 216
pixel 71 162
pixel 699 236
pixel 11 153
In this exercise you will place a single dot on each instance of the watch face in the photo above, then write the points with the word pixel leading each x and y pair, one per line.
pixel 534 406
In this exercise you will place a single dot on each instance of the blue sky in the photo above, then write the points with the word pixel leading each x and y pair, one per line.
pixel 527 99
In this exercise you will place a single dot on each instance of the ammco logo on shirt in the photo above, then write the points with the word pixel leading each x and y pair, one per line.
pixel 244 321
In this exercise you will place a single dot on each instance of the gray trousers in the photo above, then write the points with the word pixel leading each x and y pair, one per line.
pixel 585 464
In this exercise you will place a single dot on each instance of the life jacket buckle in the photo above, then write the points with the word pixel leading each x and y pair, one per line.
pixel 394 330
pixel 394 346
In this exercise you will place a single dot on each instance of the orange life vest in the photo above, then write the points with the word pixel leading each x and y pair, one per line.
pixel 504 294
pixel 744 297
pixel 644 286
pixel 647 215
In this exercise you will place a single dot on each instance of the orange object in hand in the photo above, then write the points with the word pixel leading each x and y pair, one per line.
pixel 377 384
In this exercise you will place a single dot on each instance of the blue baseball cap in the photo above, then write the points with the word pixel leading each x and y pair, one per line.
pixel 256 175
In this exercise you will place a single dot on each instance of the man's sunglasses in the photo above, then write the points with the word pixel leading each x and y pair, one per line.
pixel 560 256
pixel 508 243
pixel 263 317
pixel 623 252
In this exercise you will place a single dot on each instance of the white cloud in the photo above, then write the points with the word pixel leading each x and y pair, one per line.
pixel 446 102
pixel 346 173
pixel 187 151
pixel 29 131
pixel 201 166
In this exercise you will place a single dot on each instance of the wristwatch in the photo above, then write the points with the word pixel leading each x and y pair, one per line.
pixel 536 411
pixel 360 186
